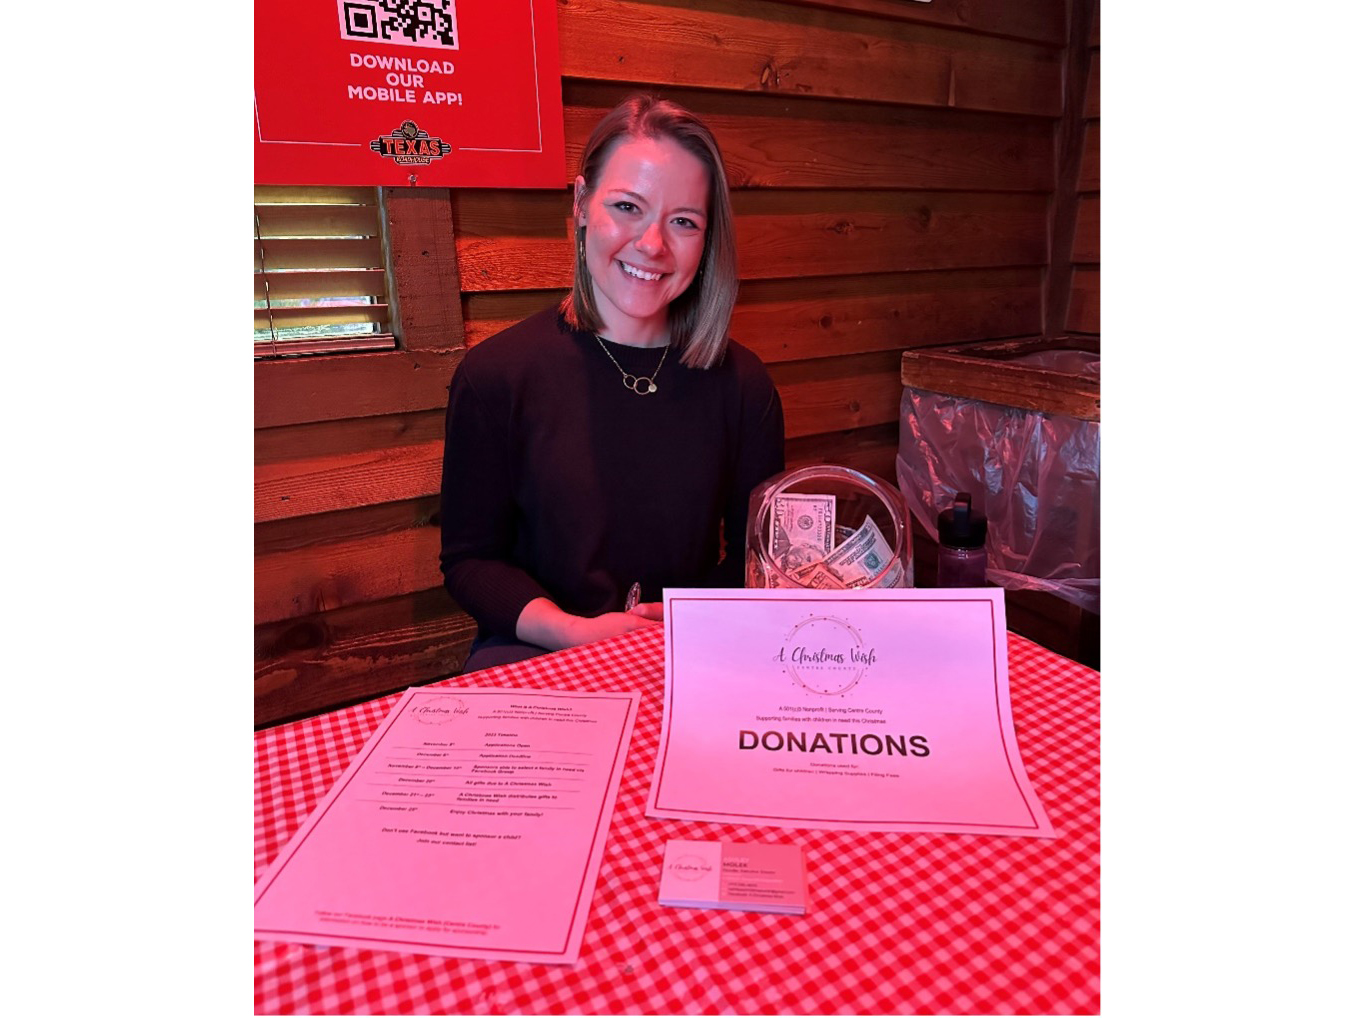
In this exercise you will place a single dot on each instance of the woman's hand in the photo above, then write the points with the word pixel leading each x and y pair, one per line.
pixel 612 624
pixel 546 625
pixel 652 610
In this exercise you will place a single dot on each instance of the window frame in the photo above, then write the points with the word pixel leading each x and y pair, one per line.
pixel 424 291
pixel 307 285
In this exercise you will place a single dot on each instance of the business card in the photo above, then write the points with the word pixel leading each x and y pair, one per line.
pixel 741 877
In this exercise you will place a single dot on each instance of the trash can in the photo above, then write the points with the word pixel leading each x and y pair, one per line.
pixel 1016 425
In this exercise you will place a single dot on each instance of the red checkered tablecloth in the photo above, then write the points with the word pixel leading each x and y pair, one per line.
pixel 897 923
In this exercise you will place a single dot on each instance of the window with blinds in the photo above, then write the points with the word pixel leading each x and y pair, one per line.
pixel 320 283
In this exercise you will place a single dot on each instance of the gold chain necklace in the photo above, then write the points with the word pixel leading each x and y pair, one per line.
pixel 639 384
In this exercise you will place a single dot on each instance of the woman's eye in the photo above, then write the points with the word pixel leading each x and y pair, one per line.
pixel 687 223
pixel 624 206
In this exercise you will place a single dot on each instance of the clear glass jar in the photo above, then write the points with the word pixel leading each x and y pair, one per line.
pixel 858 497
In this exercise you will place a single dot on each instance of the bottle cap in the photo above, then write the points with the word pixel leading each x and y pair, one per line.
pixel 958 527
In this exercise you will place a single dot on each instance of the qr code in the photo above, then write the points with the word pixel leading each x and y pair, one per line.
pixel 402 22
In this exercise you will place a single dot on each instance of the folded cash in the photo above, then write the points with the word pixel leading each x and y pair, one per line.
pixel 801 530
pixel 894 578
pixel 818 577
pixel 861 558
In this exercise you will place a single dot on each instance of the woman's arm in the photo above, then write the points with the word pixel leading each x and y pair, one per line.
pixel 544 624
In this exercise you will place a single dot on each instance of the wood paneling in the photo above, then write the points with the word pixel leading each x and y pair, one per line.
pixel 1087 241
pixel 1085 315
pixel 318 578
pixel 838 394
pixel 809 318
pixel 1071 169
pixel 306 486
pixel 871 449
pixel 484 314
pixel 423 261
pixel 339 437
pixel 1037 20
pixel 1091 98
pixel 293 532
pixel 808 233
pixel 1090 168
pixel 767 142
pixel 747 45
pixel 350 385
pixel 313 663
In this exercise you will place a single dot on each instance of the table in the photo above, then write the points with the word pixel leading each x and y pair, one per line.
pixel 897 924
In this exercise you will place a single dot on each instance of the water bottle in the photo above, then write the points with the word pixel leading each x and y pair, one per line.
pixel 961 544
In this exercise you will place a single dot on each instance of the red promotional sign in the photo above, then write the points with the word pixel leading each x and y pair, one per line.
pixel 439 93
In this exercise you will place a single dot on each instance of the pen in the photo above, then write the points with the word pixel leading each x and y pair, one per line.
pixel 633 597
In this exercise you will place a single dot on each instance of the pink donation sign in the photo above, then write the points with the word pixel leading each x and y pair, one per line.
pixel 862 710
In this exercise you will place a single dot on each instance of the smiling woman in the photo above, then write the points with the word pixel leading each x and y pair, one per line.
pixel 644 227
pixel 564 484
pixel 652 196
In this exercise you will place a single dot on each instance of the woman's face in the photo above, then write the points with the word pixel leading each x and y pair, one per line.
pixel 645 227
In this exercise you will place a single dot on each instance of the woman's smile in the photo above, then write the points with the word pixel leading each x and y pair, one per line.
pixel 639 273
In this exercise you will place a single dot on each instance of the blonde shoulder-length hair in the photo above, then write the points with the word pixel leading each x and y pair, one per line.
pixel 700 316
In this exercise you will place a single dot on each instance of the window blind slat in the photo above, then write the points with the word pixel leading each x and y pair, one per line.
pixel 320 283
pixel 343 344
pixel 317 221
pixel 287 194
pixel 321 254
pixel 330 314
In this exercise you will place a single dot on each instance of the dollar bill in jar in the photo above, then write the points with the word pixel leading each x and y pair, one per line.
pixel 802 530
pixel 817 576
pixel 862 557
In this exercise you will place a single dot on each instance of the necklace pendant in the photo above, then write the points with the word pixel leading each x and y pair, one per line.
pixel 635 382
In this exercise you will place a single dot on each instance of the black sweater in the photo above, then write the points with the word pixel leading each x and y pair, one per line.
pixel 560 482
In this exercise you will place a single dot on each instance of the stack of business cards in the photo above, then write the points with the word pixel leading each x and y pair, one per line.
pixel 746 878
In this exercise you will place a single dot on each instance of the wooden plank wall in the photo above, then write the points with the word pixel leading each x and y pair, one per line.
pixel 893 166
pixel 1084 313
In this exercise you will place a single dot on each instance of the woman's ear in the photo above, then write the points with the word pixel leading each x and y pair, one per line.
pixel 579 201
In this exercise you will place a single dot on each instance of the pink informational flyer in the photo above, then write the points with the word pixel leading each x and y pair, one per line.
pixel 471 824
pixel 861 710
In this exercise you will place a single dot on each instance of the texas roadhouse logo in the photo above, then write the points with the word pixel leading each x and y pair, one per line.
pixel 407 145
